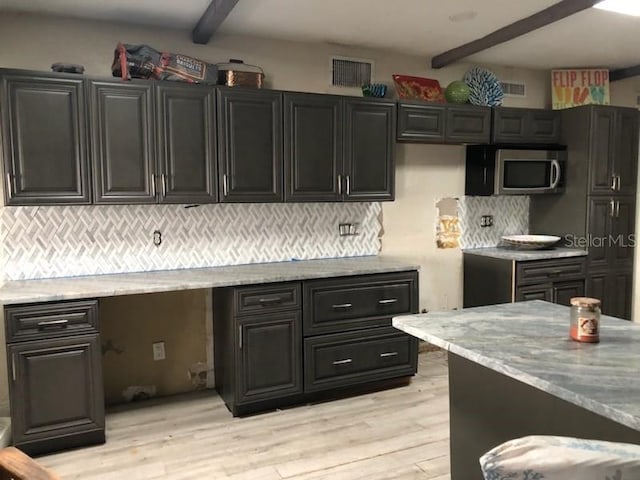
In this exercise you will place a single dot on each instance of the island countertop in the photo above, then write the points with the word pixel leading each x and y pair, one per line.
pixel 94 286
pixel 529 342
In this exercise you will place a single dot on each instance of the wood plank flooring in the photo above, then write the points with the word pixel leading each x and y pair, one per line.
pixel 395 434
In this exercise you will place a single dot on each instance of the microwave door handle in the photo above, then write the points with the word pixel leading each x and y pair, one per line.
pixel 555 173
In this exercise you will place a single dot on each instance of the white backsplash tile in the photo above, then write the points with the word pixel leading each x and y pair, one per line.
pixel 44 242
pixel 510 217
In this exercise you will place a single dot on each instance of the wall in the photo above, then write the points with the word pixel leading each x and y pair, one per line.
pixel 424 173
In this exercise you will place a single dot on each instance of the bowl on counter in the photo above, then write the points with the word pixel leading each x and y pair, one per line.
pixel 530 242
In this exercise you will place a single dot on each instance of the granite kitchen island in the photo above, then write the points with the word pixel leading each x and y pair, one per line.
pixel 513 371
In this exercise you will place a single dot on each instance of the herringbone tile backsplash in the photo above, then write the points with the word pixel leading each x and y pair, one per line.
pixel 44 242
pixel 510 217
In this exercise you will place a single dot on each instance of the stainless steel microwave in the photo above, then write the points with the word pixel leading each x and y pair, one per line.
pixel 500 171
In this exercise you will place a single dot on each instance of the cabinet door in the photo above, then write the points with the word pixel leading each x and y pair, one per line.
pixel 564 291
pixel 313 147
pixel 186 143
pixel 535 292
pixel 622 235
pixel 479 171
pixel 468 124
pixel 56 393
pixel 626 150
pixel 269 356
pixel 421 123
pixel 597 285
pixel 509 125
pixel 250 145
pixel 614 289
pixel 45 146
pixel 619 295
pixel 602 150
pixel 369 150
pixel 543 126
pixel 122 141
pixel 601 210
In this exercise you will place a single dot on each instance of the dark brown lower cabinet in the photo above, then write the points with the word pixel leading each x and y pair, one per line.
pixel 264 359
pixel 268 356
pixel 56 392
pixel 614 289
pixel 557 292
pixel 490 280
pixel 345 359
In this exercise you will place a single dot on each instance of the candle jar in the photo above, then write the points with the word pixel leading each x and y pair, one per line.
pixel 585 319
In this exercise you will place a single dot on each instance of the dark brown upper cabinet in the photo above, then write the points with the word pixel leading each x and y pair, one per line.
pixel 369 150
pixel 614 150
pixel 45 143
pixel 313 147
pixel 525 126
pixel 250 145
pixel 338 148
pixel 122 141
pixel 443 123
pixel 186 134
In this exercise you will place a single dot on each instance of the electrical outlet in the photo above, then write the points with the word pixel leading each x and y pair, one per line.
pixel 486 221
pixel 345 229
pixel 158 351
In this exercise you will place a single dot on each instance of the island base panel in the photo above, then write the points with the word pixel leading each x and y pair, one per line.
pixel 488 408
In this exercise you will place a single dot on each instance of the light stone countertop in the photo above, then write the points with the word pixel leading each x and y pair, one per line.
pixel 94 286
pixel 525 255
pixel 529 342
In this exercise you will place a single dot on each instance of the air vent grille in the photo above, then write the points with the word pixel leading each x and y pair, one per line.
pixel 514 89
pixel 350 72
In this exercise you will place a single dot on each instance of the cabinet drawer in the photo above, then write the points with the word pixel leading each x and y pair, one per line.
pixel 345 359
pixel 550 270
pixel 50 320
pixel 267 298
pixel 367 301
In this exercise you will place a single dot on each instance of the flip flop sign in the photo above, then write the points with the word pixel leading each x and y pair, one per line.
pixel 573 87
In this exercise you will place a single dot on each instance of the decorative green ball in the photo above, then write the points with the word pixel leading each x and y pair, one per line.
pixel 457 92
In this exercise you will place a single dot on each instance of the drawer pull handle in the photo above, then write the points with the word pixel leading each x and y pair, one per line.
pixel 387 301
pixel 270 300
pixel 53 323
pixel 388 354
pixel 343 362
pixel 342 305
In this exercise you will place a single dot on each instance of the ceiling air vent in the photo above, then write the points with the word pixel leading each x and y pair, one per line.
pixel 514 89
pixel 350 72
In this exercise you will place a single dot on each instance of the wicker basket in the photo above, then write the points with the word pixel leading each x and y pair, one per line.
pixel 237 73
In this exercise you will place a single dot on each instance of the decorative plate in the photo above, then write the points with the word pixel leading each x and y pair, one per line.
pixel 530 242
pixel 418 88
pixel 484 87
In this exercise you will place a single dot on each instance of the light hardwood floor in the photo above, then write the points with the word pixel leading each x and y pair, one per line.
pixel 400 433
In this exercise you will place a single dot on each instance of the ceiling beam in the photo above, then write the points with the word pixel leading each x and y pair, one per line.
pixel 555 12
pixel 211 20
pixel 622 73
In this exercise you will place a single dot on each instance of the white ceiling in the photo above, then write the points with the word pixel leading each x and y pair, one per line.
pixel 589 38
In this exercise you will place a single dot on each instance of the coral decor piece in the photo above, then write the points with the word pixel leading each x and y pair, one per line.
pixel 484 87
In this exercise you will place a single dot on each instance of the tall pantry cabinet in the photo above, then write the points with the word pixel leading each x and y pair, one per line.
pixel 597 210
